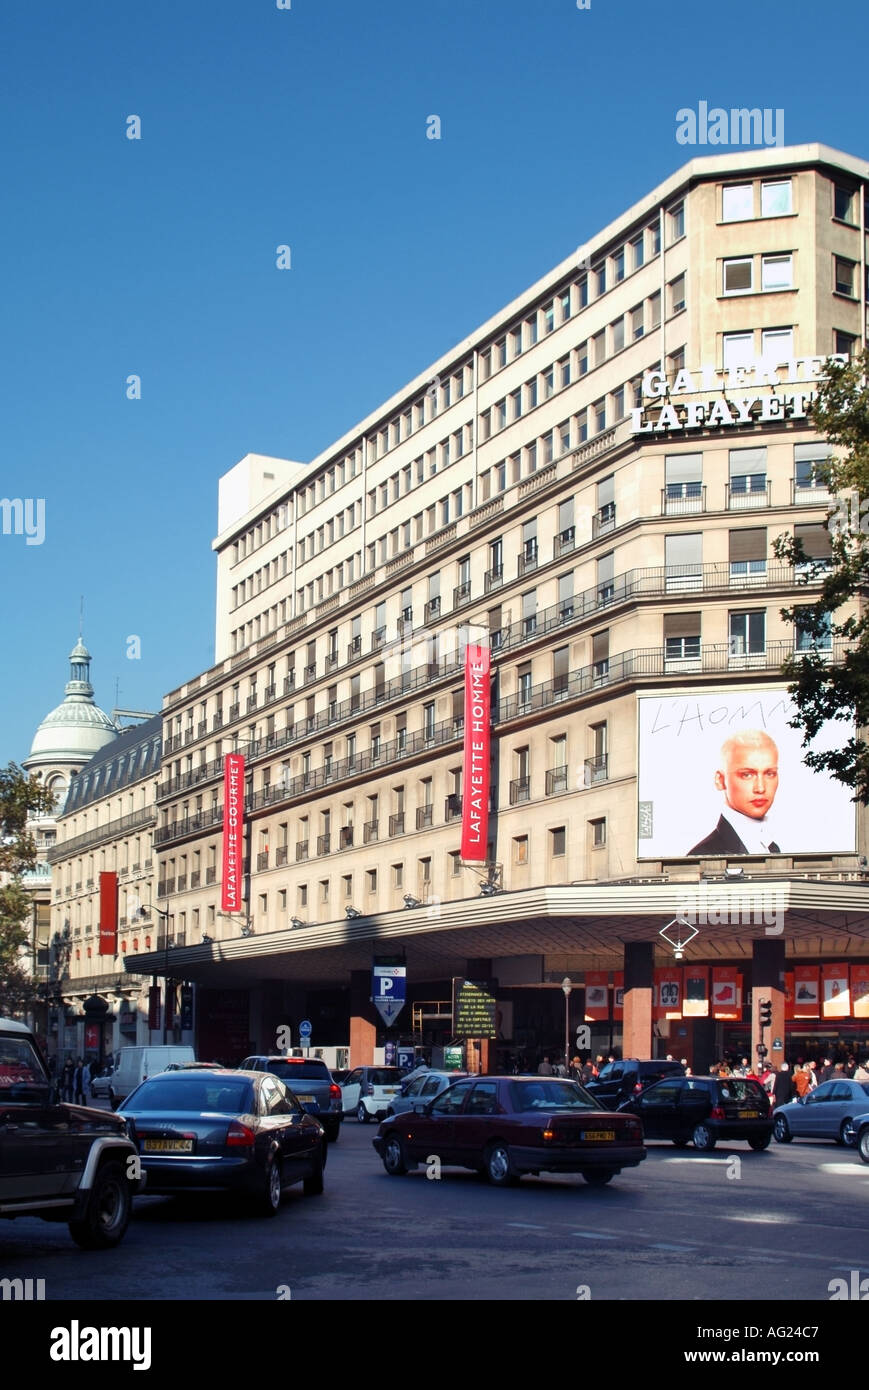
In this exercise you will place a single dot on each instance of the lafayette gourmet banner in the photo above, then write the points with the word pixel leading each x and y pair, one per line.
pixel 233 831
pixel 475 798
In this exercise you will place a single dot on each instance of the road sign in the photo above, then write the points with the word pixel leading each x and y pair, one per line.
pixel 405 1058
pixel 389 1009
pixel 305 1029
pixel 389 990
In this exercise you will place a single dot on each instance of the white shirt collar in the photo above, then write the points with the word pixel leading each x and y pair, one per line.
pixel 755 834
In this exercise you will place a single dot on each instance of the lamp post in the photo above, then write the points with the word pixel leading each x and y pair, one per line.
pixel 567 986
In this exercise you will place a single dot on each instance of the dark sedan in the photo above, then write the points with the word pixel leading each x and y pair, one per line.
pixel 504 1126
pixel 225 1129
pixel 703 1109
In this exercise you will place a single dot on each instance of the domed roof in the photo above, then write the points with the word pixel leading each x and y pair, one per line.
pixel 78 728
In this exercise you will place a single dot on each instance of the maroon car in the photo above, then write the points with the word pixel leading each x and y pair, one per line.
pixel 504 1126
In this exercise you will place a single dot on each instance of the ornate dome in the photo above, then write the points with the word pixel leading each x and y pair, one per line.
pixel 78 728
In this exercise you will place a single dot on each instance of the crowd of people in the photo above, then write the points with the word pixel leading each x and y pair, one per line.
pixel 75 1080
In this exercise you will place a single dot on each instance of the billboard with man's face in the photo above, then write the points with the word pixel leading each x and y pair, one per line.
pixel 721 772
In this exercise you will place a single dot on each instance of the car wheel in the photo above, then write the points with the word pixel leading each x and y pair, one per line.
pixel 269 1199
pixel 847 1135
pixel 703 1138
pixel 682 1142
pixel 759 1141
pixel 498 1168
pixel 782 1130
pixel 313 1186
pixel 599 1177
pixel 394 1160
pixel 108 1210
pixel 863 1143
pixel 362 1114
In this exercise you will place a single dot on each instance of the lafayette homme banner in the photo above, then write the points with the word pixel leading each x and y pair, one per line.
pixel 233 831
pixel 475 798
pixel 108 915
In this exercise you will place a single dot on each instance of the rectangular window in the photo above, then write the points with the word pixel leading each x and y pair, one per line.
pixel 520 849
pixel 683 483
pixel 600 279
pixel 777 346
pixel 618 332
pixel 806 640
pixel 843 276
pixel 371 880
pixel 776 199
pixel 748 633
pixel 844 343
pixel 843 203
pixel 739 275
pixel 564 371
pixel 619 265
pixel 811 465
pixel 548 318
pixel 638 250
pixel 598 833
pixel 599 409
pixel 737 350
pixel 677 294
pixel 747 551
pixel 654 310
pixel 737 202
pixel 598 343
pixel 677 222
pixel 683 561
pixel 777 272
pixel 582 355
pixel 747 471
pixel 582 288
pixel 558 842
pixel 682 636
pixel 637 322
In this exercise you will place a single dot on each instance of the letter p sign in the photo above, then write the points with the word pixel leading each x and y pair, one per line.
pixel 385 985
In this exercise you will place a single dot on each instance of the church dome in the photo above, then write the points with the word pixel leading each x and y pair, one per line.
pixel 77 728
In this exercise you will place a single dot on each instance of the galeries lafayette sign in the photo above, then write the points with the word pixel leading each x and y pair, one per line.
pixel 735 396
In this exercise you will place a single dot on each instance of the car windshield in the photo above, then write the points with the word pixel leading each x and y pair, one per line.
pixel 551 1095
pixel 19 1064
pixel 291 1070
pixel 187 1091
pixel 736 1089
pixel 384 1076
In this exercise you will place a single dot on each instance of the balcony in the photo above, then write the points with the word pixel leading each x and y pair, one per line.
pixel 262 859
pixel 565 542
pixel 271 692
pixel 462 594
pixel 396 824
pixel 168 887
pixel 189 734
pixel 378 637
pixel 332 661
pixel 324 844
pixel 432 609
pixel 528 559
pixel 604 520
pixel 493 578
pixel 424 817
pixel 596 769
pixel 211 875
pixel 747 494
pixel 234 712
pixel 310 673
pixel 520 790
pixel 202 728
pixel 556 781
pixel 195 878
pixel 808 494
pixel 354 647
pixel 369 832
pixel 289 682
pixel 301 850
pixel 683 499
pixel 281 856
pixel 345 837
pixel 182 883
pixel 217 721
pixel 453 807
pixel 90 883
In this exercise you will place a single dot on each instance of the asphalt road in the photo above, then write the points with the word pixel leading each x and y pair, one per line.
pixel 731 1226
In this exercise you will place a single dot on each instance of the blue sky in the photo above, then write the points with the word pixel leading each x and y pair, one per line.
pixel 305 127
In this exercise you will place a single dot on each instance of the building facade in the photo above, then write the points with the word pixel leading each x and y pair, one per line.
pixel 591 483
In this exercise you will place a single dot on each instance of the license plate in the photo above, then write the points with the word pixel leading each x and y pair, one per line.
pixel 749 1114
pixel 598 1135
pixel 168 1146
pixel 306 1099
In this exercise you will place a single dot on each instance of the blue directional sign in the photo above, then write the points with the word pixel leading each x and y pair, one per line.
pixel 389 991
pixel 305 1029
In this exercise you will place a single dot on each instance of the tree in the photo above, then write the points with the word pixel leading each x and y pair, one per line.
pixel 822 689
pixel 20 798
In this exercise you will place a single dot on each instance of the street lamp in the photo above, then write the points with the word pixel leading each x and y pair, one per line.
pixel 567 986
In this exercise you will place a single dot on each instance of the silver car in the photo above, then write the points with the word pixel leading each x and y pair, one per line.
pixel 428 1086
pixel 828 1112
pixel 101 1081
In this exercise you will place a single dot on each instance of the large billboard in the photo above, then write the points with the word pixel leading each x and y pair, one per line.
pixel 721 772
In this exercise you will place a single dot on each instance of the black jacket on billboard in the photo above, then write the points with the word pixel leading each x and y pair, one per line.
pixel 724 840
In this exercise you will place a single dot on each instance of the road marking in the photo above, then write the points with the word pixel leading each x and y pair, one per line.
pixel 843 1168
pixel 592 1235
pixel 697 1159
pixel 526 1225
pixel 773 1219
pixel 679 1249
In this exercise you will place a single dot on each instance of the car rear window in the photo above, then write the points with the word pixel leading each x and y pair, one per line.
pixel 288 1069
pixel 178 1091
pixel 735 1088
pixel 19 1064
pixel 550 1095
pixel 384 1076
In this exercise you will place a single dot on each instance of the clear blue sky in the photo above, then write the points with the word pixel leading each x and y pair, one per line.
pixel 304 126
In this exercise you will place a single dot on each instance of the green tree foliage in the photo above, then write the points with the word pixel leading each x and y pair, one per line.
pixel 823 689
pixel 21 797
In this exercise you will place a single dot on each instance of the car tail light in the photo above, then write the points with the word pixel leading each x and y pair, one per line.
pixel 638 1088
pixel 549 1134
pixel 717 1112
pixel 240 1136
pixel 335 1091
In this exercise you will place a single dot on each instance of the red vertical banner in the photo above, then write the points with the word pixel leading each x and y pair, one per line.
pixel 725 992
pixel 696 1003
pixel 233 832
pixel 108 915
pixel 619 995
pixel 789 995
pixel 596 996
pixel 154 1007
pixel 475 789
pixel 807 991
pixel 860 991
pixel 836 993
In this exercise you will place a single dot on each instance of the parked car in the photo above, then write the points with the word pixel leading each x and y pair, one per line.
pixel 505 1126
pixel 618 1081
pixel 423 1087
pixel 59 1161
pixel 369 1091
pixel 101 1080
pixel 194 1066
pixel 703 1109
pixel 135 1064
pixel 828 1112
pixel 861 1129
pixel 234 1130
pixel 311 1081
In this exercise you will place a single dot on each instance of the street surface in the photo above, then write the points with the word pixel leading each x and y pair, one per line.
pixel 780 1227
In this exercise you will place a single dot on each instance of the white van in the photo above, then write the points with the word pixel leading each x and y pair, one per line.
pixel 136 1064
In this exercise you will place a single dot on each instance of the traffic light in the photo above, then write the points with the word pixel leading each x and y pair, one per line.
pixel 765 1013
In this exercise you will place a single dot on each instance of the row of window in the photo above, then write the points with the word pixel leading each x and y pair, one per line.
pixel 769 273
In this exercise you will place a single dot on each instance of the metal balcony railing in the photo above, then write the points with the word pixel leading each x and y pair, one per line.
pixel 310 672
pixel 324 844
pixel 270 693
pixel 604 520
pixel 565 541
pixel 377 638
pixel 809 493
pixel 462 594
pixel 345 839
pixel 424 817
pixel 453 807
pixel 217 720
pixel 195 878
pixel 202 728
pixel 289 682
pixel 683 499
pixel 211 875
pixel 262 859
pixel 234 712
pixel 281 856
pixel 742 498
pixel 432 609
pixel 369 832
pixel 520 790
pixel 556 780
pixel 396 824
pixel 354 647
pixel 528 560
pixel 493 578
pixel 182 883
pixel 596 769
pixel 301 850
